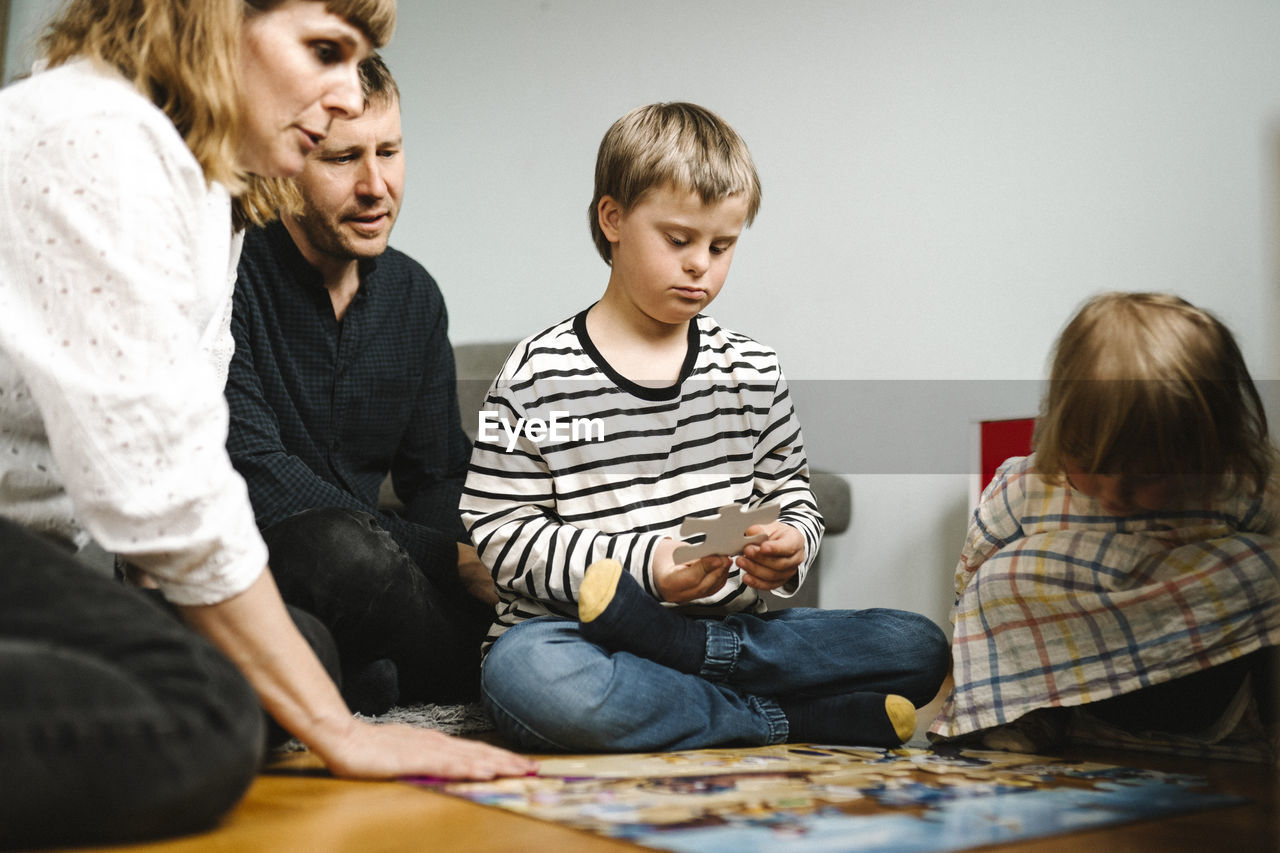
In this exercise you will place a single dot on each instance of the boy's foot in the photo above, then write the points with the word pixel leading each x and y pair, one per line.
pixel 853 719
pixel 614 612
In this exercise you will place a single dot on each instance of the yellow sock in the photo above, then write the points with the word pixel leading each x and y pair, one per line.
pixel 902 716
pixel 598 586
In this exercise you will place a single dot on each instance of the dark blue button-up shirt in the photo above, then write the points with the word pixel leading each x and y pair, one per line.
pixel 322 409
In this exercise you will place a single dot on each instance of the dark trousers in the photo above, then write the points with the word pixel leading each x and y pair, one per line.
pixel 344 568
pixel 117 722
pixel 1193 703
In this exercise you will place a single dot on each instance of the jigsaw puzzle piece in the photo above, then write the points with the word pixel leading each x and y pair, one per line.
pixel 723 532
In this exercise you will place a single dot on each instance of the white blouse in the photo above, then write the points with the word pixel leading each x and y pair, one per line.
pixel 117 263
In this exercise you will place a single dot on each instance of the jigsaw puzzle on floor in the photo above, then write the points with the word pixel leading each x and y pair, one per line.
pixel 801 797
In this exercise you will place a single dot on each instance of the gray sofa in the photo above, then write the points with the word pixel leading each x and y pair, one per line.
pixel 477 364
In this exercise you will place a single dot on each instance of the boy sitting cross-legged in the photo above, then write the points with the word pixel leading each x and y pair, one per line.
pixel 618 424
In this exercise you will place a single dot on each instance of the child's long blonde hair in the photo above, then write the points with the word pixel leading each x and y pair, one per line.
pixel 1147 384
pixel 183 55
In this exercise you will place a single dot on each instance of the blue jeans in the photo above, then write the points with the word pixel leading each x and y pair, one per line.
pixel 550 690
pixel 117 722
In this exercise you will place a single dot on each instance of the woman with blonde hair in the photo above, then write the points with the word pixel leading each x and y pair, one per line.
pixel 122 159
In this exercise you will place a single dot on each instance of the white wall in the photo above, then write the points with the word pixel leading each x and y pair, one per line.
pixel 25 19
pixel 944 183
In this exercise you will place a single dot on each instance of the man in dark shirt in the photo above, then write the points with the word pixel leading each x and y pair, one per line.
pixel 343 372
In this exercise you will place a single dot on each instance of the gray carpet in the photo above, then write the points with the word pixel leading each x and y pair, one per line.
pixel 450 719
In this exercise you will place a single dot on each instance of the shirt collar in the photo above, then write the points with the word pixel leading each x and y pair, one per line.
pixel 288 252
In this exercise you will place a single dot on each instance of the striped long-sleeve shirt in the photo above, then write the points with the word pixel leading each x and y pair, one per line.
pixel 575 463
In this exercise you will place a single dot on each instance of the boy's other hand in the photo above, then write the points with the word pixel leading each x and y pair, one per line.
pixel 683 582
pixel 773 562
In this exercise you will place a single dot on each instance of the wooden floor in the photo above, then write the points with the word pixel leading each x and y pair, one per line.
pixel 296 806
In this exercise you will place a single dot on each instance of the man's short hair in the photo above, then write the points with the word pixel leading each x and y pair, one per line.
pixel 680 144
pixel 376 83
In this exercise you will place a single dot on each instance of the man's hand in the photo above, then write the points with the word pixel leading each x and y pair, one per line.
pixel 474 576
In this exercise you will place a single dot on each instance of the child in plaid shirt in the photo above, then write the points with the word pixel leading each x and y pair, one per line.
pixel 1130 563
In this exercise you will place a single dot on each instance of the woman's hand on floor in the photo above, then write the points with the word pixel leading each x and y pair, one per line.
pixel 255 631
pixel 381 751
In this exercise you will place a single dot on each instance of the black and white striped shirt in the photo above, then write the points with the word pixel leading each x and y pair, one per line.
pixel 575 463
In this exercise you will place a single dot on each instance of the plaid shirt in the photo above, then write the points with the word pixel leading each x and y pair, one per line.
pixel 322 410
pixel 1060 604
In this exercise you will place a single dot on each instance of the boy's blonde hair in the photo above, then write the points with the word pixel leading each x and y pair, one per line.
pixel 683 145
pixel 183 55
pixel 1148 384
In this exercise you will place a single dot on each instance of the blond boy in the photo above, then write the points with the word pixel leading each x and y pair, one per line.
pixel 626 419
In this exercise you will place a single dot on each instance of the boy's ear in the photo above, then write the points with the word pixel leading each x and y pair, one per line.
pixel 609 214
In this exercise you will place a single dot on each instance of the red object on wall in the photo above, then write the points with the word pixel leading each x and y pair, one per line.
pixel 1000 440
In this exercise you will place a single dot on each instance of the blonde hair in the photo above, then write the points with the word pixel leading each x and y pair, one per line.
pixel 182 55
pixel 1148 384
pixel 677 144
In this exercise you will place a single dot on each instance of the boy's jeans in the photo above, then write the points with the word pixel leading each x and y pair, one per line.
pixel 549 690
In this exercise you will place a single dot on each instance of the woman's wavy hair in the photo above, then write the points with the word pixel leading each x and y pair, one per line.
pixel 183 55
pixel 1147 384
